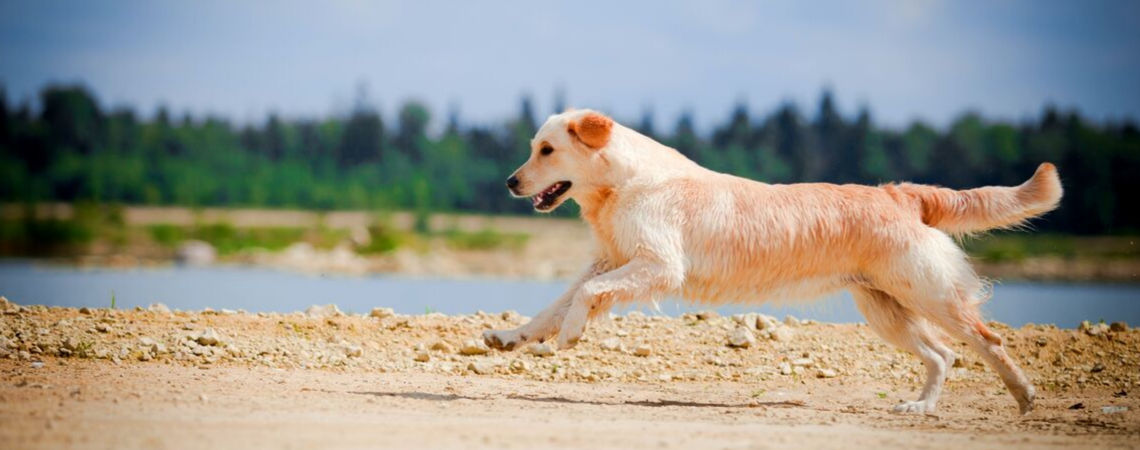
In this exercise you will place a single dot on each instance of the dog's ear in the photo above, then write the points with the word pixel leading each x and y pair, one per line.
pixel 592 129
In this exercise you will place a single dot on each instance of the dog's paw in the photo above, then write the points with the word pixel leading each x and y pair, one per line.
pixel 1025 402
pixel 568 341
pixel 501 339
pixel 916 407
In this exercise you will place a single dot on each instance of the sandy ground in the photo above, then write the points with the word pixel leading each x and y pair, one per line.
pixel 164 380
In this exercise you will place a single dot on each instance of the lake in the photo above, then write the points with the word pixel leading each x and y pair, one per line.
pixel 259 289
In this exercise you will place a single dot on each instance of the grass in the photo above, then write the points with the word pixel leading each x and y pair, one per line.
pixel 112 299
pixel 228 239
pixel 484 240
pixel 1017 247
pixel 385 239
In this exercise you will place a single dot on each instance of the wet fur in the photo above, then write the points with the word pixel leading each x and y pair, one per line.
pixel 666 227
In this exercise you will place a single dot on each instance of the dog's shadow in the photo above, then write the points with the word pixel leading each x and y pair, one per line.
pixel 643 403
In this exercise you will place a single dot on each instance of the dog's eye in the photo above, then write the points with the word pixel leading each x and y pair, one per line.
pixel 546 150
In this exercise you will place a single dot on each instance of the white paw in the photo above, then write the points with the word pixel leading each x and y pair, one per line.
pixel 573 326
pixel 502 339
pixel 917 407
pixel 567 340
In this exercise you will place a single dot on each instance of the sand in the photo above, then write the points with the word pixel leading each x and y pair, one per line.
pixel 157 379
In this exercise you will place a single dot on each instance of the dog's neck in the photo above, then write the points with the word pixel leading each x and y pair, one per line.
pixel 632 160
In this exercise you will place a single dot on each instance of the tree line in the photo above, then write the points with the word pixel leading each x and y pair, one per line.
pixel 70 148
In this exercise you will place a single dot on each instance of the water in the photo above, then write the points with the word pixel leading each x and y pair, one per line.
pixel 256 289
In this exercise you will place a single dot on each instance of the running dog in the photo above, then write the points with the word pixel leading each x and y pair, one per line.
pixel 667 227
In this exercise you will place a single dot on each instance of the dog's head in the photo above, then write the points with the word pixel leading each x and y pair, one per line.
pixel 565 159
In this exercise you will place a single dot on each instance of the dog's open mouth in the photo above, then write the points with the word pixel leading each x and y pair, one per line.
pixel 544 201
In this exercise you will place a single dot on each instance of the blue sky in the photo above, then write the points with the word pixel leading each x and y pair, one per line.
pixel 905 60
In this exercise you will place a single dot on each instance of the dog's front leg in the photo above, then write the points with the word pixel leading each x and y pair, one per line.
pixel 640 279
pixel 547 322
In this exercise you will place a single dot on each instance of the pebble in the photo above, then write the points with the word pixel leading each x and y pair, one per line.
pixel 37 365
pixel 329 310
pixel 741 338
pixel 443 347
pixel 782 334
pixel 520 366
pixel 1113 409
pixel 473 347
pixel 381 313
pixel 643 350
pixel 158 308
pixel 103 328
pixel 208 337
pixel 1093 329
pixel 1118 327
pixel 510 316
pixel 802 362
pixel 481 367
pixel 612 345
pixel 423 356
pixel 71 344
pixel 826 373
pixel 785 369
pixel 707 315
pixel 8 307
pixel 541 350
pixel 85 310
pixel 353 351
pixel 747 320
pixel 764 322
pixel 1098 367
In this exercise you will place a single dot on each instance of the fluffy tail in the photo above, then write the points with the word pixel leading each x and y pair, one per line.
pixel 987 208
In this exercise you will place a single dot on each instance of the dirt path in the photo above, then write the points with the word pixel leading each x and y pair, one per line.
pixel 158 379
pixel 91 405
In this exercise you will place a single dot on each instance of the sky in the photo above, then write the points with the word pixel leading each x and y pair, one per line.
pixel 908 60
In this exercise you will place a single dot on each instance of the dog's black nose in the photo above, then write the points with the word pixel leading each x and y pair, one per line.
pixel 512 182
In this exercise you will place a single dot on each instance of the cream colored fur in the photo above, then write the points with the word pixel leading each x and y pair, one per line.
pixel 666 227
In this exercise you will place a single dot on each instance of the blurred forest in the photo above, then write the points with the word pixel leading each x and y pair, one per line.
pixel 69 148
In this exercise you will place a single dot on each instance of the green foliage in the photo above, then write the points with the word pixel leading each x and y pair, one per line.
pixel 167 235
pixel 31 234
pixel 484 240
pixel 384 239
pixel 74 151
pixel 228 239
pixel 1011 247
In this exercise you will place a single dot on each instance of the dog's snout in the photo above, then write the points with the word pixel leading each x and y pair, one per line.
pixel 512 182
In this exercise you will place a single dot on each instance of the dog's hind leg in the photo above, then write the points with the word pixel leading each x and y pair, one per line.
pixel 903 329
pixel 960 318
pixel 547 322
pixel 935 281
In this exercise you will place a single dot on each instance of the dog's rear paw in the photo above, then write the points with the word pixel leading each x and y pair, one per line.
pixel 1025 403
pixel 500 340
pixel 918 407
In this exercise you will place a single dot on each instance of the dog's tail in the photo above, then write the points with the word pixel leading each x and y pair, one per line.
pixel 987 208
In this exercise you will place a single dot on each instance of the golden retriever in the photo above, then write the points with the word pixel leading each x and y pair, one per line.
pixel 667 227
